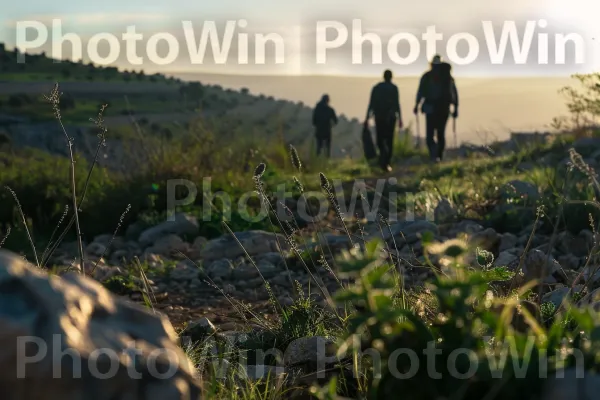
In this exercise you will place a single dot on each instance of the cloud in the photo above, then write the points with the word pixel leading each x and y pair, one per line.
pixel 88 19
pixel 97 18
pixel 45 19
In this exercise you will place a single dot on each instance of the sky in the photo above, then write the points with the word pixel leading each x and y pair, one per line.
pixel 296 24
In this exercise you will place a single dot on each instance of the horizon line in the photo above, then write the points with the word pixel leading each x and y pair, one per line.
pixel 290 75
pixel 337 75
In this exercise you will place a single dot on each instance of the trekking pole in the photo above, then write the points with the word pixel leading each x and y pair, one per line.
pixel 418 132
pixel 454 132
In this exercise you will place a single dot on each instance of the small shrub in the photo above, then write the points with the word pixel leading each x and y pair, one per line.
pixel 15 101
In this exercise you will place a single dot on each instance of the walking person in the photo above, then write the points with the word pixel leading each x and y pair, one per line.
pixel 323 119
pixel 384 105
pixel 437 90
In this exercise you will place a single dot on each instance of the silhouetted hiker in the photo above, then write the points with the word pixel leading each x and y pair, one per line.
pixel 384 105
pixel 323 119
pixel 437 90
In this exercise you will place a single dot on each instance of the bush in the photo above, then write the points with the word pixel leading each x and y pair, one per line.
pixel 583 104
pixel 4 139
pixel 166 133
pixel 67 102
pixel 15 101
pixel 466 311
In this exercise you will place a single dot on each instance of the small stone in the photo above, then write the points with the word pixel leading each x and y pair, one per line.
pixel 579 245
pixel 199 330
pixel 557 296
pixel 195 249
pixel 569 261
pixel 444 212
pixel 181 224
pixel 221 269
pixel 252 242
pixel 267 269
pixel 274 258
pixel 285 301
pixel 262 372
pixel 282 280
pixel 244 272
pixel 254 283
pixel 229 289
pixel 537 265
pixel 313 350
pixel 487 239
pixel 508 241
pixel 169 245
pixel 409 232
pixel 571 383
pixel 96 249
pixel 504 259
pixel 466 226
pixel 517 189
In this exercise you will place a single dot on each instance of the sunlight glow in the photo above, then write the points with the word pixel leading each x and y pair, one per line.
pixel 582 14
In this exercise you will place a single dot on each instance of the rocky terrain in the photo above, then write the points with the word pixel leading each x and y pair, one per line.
pixel 193 279
pixel 224 295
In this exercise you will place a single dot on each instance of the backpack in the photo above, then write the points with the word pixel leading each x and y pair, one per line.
pixel 439 85
pixel 321 115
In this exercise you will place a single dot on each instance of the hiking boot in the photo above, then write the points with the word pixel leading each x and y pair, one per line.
pixel 386 167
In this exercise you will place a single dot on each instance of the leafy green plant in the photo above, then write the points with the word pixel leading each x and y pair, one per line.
pixel 470 320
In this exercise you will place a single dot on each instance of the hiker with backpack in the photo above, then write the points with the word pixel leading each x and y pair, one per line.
pixel 437 92
pixel 323 119
pixel 384 105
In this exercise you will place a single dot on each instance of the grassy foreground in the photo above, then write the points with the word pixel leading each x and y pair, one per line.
pixel 482 327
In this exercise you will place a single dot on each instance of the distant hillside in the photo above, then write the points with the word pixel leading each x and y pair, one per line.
pixel 490 107
pixel 39 67
pixel 160 106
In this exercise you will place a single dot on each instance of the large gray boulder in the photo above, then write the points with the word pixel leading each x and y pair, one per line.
pixel 72 328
